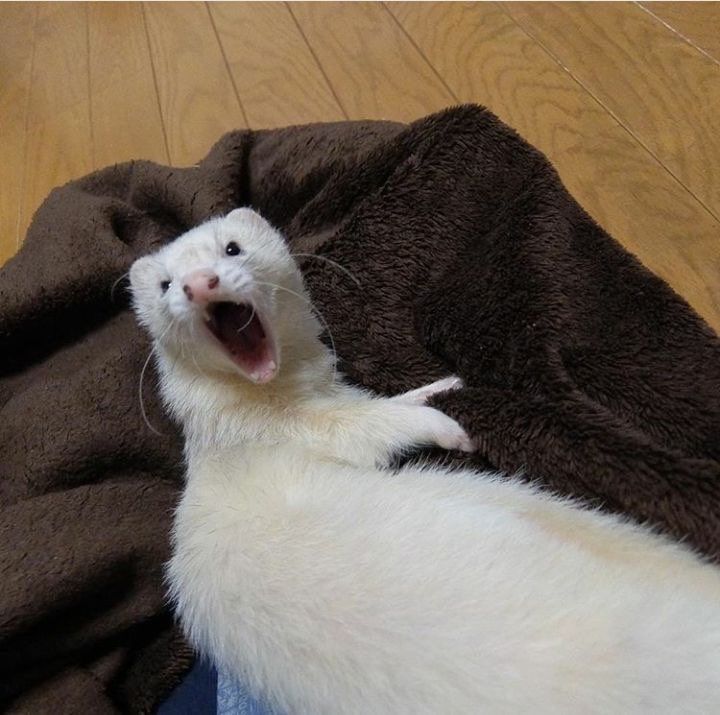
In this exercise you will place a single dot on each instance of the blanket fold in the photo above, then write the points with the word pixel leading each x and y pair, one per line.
pixel 461 251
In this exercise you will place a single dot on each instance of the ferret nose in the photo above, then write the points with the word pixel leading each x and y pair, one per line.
pixel 200 286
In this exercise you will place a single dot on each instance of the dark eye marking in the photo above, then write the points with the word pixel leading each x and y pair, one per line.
pixel 164 285
pixel 232 249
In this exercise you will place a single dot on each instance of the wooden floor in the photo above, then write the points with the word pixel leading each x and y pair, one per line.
pixel 624 98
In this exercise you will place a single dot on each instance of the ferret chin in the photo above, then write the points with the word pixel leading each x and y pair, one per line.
pixel 328 584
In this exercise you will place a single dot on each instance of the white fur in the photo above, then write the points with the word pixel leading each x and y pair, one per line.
pixel 331 585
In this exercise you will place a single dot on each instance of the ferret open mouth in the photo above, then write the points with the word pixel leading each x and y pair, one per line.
pixel 239 328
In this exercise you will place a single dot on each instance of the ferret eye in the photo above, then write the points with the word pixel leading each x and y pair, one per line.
pixel 164 286
pixel 232 249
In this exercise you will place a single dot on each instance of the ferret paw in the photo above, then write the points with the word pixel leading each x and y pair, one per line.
pixel 449 434
pixel 421 395
pixel 460 441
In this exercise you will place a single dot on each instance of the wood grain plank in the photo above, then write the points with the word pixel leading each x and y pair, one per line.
pixel 59 139
pixel 125 113
pixel 372 66
pixel 485 57
pixel 276 75
pixel 699 22
pixel 197 98
pixel 17 22
pixel 661 88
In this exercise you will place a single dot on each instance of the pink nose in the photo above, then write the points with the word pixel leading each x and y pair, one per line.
pixel 200 286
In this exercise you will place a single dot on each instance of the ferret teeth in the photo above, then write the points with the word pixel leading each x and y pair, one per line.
pixel 206 315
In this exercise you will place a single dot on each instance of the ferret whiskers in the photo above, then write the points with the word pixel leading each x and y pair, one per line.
pixel 317 312
pixel 332 263
pixel 142 377
pixel 193 330
pixel 140 395
pixel 249 320
pixel 115 285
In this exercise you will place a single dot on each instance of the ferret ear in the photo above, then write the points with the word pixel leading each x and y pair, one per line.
pixel 141 271
pixel 246 216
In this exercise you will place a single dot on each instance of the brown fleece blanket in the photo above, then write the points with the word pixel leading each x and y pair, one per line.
pixel 583 370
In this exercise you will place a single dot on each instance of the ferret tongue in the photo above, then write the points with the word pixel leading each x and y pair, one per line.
pixel 240 330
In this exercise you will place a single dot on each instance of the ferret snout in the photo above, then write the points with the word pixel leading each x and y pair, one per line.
pixel 201 286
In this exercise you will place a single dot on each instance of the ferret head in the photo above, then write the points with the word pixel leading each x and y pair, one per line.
pixel 224 296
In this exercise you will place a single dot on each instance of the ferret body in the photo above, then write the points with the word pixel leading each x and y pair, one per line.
pixel 329 584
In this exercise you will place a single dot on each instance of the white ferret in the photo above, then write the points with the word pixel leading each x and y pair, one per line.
pixel 330 584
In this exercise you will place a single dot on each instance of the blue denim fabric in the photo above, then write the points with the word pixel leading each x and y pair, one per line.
pixel 204 692
pixel 196 694
pixel 234 699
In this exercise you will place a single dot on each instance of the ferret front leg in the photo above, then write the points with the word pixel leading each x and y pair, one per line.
pixel 373 430
pixel 421 395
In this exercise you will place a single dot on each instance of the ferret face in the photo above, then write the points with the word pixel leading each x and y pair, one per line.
pixel 213 295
